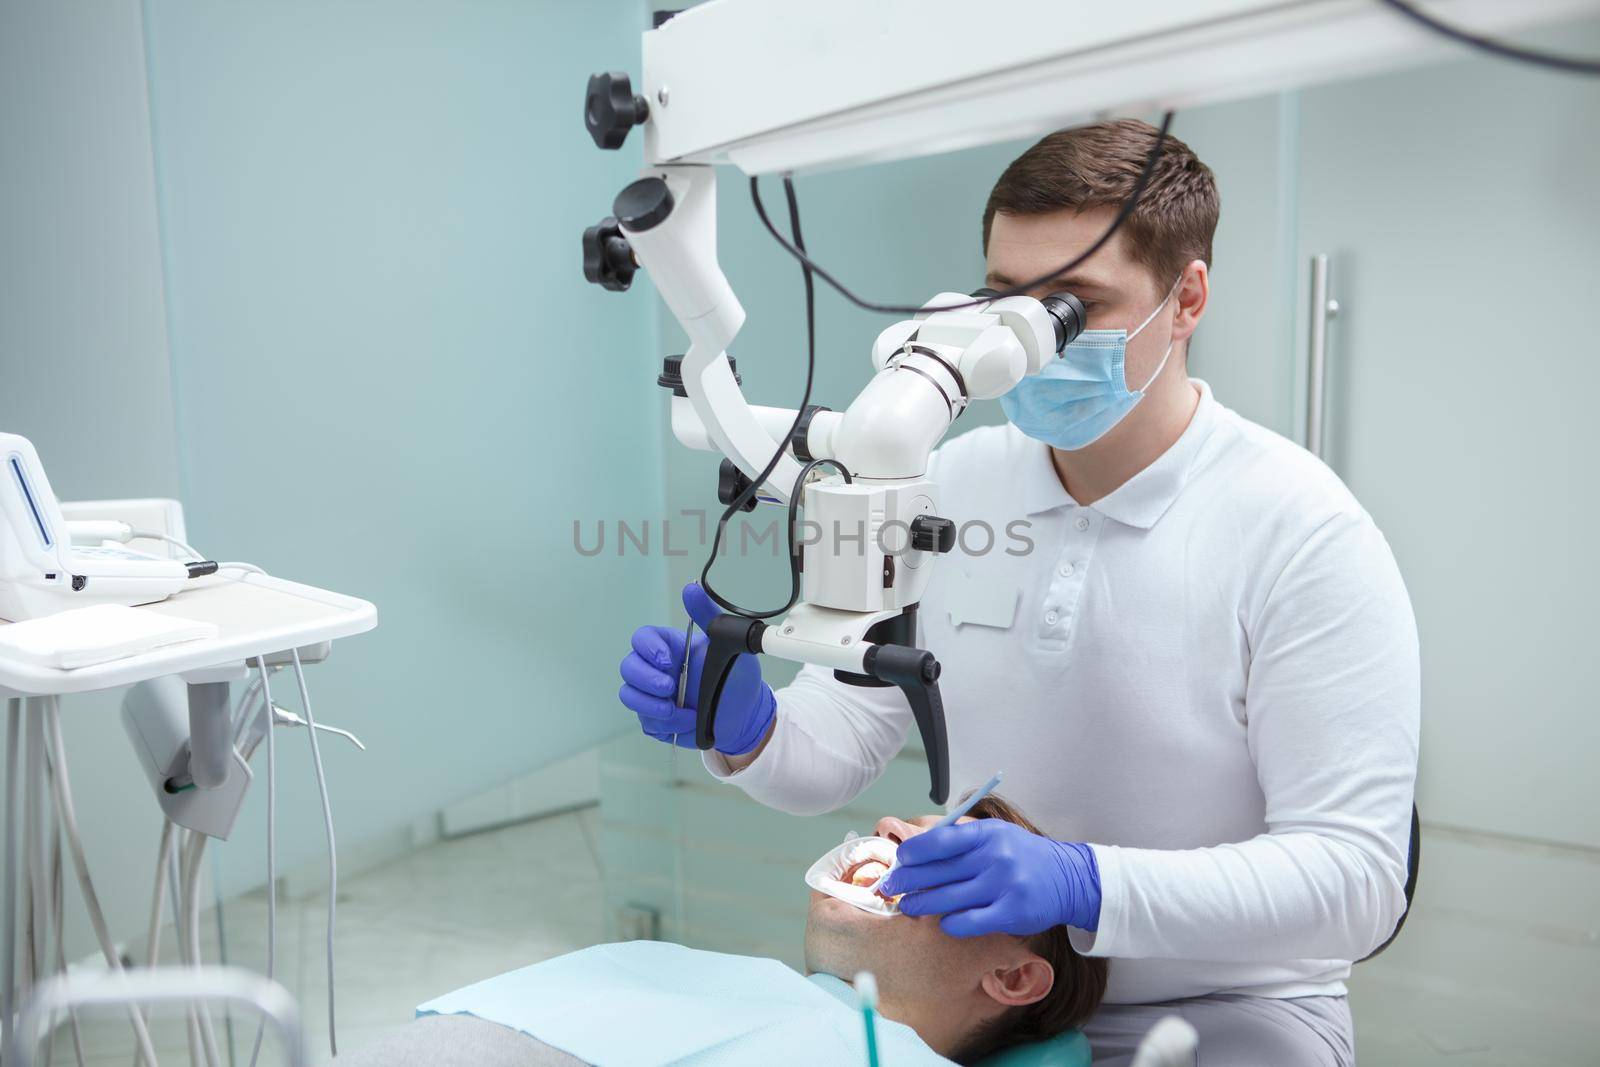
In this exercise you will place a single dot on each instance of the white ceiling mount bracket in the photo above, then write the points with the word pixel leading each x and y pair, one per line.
pixel 811 89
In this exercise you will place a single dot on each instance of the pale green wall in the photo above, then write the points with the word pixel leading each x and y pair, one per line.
pixel 1462 228
pixel 83 342
pixel 1246 348
pixel 390 376
pixel 83 335
pixel 359 224
pixel 1456 204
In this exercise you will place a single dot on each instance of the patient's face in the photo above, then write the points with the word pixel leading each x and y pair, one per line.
pixel 902 951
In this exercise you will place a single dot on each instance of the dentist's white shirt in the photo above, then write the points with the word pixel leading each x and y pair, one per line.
pixel 1210 675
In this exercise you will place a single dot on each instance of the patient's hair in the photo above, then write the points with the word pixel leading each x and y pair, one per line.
pixel 1079 984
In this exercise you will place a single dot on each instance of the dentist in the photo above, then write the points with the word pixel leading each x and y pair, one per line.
pixel 1202 680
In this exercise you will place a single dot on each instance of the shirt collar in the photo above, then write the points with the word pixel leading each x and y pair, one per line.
pixel 1142 499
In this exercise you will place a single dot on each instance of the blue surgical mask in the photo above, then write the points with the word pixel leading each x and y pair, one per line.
pixel 1079 396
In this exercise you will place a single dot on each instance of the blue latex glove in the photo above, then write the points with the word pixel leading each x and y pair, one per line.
pixel 650 684
pixel 989 876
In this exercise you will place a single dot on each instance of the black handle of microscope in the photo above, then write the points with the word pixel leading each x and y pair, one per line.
pixel 916 672
pixel 727 638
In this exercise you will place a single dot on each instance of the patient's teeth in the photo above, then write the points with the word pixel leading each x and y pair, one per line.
pixel 867 872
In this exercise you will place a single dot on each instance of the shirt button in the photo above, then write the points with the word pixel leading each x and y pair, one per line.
pixel 1051 618
pixel 1066 570
pixel 1082 523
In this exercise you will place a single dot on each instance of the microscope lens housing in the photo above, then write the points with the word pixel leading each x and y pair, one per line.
pixel 1067 311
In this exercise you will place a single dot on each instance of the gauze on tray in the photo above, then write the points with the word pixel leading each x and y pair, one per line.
pixel 847 872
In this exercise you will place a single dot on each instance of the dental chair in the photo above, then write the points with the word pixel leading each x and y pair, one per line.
pixel 1070 1049
pixel 1413 863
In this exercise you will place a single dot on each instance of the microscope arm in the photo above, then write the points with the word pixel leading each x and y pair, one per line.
pixel 691 432
pixel 669 219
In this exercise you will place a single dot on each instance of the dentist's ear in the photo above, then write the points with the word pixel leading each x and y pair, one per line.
pixel 1025 981
pixel 1194 292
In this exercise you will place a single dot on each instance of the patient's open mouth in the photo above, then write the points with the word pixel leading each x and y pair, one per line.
pixel 865 873
pixel 850 870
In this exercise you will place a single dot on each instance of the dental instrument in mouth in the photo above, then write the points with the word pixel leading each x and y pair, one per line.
pixel 950 819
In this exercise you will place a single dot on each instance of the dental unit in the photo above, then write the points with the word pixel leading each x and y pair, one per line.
pixel 83 608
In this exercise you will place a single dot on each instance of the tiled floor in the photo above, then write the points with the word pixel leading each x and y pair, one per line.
pixel 1498 964
pixel 443 917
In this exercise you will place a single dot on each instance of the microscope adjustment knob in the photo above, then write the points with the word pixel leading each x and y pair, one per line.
pixel 731 482
pixel 643 205
pixel 607 257
pixel 611 109
pixel 671 376
pixel 930 533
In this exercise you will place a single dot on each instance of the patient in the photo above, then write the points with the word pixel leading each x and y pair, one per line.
pixel 957 999
pixel 965 997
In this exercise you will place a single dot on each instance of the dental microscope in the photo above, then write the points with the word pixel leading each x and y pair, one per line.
pixel 877 510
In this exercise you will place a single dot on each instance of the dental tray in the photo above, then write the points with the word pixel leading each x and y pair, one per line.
pixel 254 615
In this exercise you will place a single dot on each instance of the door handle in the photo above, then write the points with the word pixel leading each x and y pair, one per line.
pixel 1323 310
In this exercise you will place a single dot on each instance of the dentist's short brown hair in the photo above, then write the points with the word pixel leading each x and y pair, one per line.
pixel 1098 165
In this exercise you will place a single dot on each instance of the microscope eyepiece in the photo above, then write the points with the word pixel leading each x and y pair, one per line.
pixel 1067 312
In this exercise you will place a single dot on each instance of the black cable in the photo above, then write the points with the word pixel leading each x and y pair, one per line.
pixel 1570 64
pixel 1127 209
pixel 754 487
pixel 794 511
